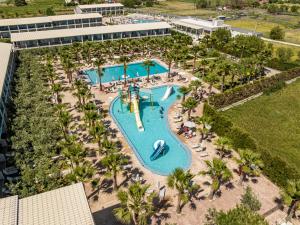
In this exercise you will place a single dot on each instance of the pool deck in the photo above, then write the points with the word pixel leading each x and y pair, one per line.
pixel 101 203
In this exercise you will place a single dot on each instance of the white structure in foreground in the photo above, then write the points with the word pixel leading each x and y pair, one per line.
pixel 105 9
pixel 198 27
pixel 103 33
pixel 67 205
pixel 7 66
pixel 8 26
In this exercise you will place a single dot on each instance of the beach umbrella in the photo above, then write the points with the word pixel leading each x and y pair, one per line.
pixel 189 124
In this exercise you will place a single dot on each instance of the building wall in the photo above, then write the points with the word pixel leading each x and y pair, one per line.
pixel 5 31
pixel 94 37
pixel 6 92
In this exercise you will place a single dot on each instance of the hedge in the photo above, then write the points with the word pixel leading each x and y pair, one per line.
pixel 239 93
pixel 276 169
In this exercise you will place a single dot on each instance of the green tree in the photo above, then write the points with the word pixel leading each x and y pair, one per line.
pixel 238 216
pixel 99 62
pixel 183 182
pixel 50 11
pixel 223 146
pixel 291 197
pixel 218 172
pixel 250 201
pixel 125 60
pixel 114 163
pixel 190 104
pixel 294 8
pixel 184 91
pixel 135 205
pixel 249 164
pixel 277 33
pixel 148 64
pixel 20 2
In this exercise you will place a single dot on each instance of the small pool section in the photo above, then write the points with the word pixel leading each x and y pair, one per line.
pixel 134 70
pixel 155 128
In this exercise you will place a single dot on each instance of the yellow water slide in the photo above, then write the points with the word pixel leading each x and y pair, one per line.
pixel 136 111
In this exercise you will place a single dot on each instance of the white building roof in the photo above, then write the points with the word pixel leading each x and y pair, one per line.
pixel 5 51
pixel 66 206
pixel 39 35
pixel 9 210
pixel 47 19
pixel 194 23
pixel 105 5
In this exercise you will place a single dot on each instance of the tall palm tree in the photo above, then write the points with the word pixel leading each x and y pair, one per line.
pixel 90 114
pixel 190 104
pixel 182 181
pixel 148 64
pixel 223 146
pixel 291 196
pixel 125 60
pixel 64 119
pixel 194 85
pixel 249 164
pixel 51 75
pixel 195 53
pixel 114 163
pixel 218 172
pixel 108 147
pixel 184 91
pixel 99 62
pixel 211 79
pixel 82 92
pixel 74 154
pixel 135 205
pixel 224 69
pixel 169 58
pixel 69 68
pixel 82 173
pixel 57 88
pixel 98 132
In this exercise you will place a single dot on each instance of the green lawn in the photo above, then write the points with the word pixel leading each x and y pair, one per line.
pixel 33 8
pixel 274 122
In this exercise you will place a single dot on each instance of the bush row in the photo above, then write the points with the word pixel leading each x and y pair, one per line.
pixel 239 93
pixel 276 169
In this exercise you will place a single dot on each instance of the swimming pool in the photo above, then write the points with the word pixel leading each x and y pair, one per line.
pixel 112 73
pixel 144 21
pixel 155 128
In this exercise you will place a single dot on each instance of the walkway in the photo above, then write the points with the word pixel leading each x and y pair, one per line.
pixel 281 42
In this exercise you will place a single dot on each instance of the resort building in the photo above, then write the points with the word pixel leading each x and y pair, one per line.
pixel 7 67
pixel 67 205
pixel 106 9
pixel 198 27
pixel 8 26
pixel 103 33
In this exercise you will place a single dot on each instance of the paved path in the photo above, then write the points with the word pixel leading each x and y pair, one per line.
pixel 280 42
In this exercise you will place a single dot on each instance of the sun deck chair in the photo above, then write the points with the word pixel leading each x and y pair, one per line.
pixel 162 193
pixel 196 145
pixel 178 120
pixel 203 154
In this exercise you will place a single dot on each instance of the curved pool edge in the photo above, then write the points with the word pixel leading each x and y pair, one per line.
pixel 140 159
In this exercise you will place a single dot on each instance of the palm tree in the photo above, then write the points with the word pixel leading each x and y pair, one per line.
pixel 82 92
pixel 182 182
pixel 211 79
pixel 125 60
pixel 169 58
pixel 69 68
pixel 64 119
pixel 83 173
pixel 74 154
pixel 90 114
pixel 194 85
pixel 224 70
pixel 114 163
pixel 205 122
pixel 223 145
pixel 190 104
pixel 195 53
pixel 249 164
pixel 99 62
pixel 51 75
pixel 135 205
pixel 218 172
pixel 291 196
pixel 148 64
pixel 98 132
pixel 57 88
pixel 108 147
pixel 184 91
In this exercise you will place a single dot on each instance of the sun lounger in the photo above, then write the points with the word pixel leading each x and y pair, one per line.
pixel 178 120
pixel 204 154
pixel 162 193
pixel 196 146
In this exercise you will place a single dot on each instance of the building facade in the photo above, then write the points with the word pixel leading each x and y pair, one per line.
pixel 7 67
pixel 103 33
pixel 8 26
pixel 198 27
pixel 104 9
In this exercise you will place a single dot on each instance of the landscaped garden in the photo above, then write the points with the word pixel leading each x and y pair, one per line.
pixel 273 121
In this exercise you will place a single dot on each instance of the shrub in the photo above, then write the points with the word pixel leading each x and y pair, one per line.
pixel 20 2
pixel 278 86
pixel 250 200
pixel 239 93
pixel 277 33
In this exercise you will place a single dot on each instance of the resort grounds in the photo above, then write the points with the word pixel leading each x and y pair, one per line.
pixel 103 201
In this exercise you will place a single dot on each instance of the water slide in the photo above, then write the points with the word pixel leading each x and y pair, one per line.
pixel 167 93
pixel 158 147
pixel 137 113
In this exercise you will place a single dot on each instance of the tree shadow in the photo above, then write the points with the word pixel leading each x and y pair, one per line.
pixel 106 216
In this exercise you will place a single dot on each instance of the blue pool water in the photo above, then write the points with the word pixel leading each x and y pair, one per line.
pixel 134 70
pixel 155 128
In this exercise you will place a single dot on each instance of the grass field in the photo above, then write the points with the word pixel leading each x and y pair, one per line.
pixel 181 8
pixel 295 50
pixel 33 8
pixel 274 122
